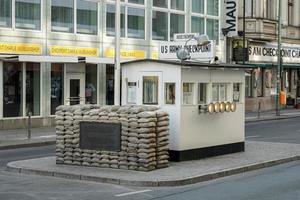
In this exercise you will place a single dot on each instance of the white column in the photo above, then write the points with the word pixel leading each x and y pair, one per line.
pixel 117 54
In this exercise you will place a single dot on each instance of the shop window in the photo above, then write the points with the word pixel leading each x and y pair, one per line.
pixel 91 84
pixel 177 24
pixel 5 13
pixel 110 20
pixel 28 14
pixel 198 6
pixel 136 23
pixel 188 93
pixel 12 90
pixel 177 4
pixel 202 93
pixel 150 90
pixel 160 3
pixel 87 17
pixel 62 18
pixel 170 93
pixel 33 88
pixel 219 92
pixel 131 92
pixel 159 25
pixel 236 92
pixel 57 86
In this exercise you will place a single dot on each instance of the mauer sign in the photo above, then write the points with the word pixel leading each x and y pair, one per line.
pixel 168 50
pixel 269 53
pixel 231 18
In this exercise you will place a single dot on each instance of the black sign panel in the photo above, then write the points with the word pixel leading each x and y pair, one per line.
pixel 100 136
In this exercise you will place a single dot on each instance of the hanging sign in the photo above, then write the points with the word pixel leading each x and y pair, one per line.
pixel 168 50
pixel 231 18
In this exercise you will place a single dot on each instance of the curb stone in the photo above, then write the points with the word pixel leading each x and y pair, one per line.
pixel 270 119
pixel 25 145
pixel 156 183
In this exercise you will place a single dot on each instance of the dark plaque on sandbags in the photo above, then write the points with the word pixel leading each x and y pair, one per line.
pixel 100 136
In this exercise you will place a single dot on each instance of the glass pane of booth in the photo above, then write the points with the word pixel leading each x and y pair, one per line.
pixel 33 88
pixel 202 93
pixel 170 93
pixel 131 92
pixel 223 92
pixel 91 84
pixel 12 89
pixel 188 93
pixel 150 90
pixel 215 92
pixel 57 86
pixel 236 92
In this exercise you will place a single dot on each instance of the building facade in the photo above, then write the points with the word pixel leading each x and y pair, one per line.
pixel 55 52
pixel 261 32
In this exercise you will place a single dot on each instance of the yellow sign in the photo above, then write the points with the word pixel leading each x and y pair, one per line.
pixel 21 49
pixel 110 53
pixel 154 55
pixel 73 51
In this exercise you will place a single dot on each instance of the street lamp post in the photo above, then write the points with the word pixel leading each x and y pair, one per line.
pixel 117 54
pixel 278 59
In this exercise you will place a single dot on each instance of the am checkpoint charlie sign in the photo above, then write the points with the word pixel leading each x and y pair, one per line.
pixel 168 50
pixel 231 17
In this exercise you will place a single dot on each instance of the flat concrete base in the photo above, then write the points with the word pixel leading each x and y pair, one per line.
pixel 257 155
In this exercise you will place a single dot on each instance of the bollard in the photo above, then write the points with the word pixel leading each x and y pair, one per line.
pixel 29 126
pixel 258 110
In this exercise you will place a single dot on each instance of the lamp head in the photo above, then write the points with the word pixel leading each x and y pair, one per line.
pixel 202 40
pixel 183 54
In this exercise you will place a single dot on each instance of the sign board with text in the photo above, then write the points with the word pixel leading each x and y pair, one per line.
pixel 231 17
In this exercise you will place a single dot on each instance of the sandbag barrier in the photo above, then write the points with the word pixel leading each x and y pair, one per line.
pixel 144 137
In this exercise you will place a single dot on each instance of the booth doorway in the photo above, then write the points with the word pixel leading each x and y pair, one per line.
pixel 75 89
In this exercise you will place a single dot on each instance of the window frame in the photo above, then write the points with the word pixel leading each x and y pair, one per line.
pixel 165 93
pixel 193 94
pixel 206 93
pixel 227 91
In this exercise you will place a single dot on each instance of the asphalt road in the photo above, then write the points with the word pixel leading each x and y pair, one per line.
pixel 280 182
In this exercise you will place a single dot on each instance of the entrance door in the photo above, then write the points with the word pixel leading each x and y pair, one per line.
pixel 75 90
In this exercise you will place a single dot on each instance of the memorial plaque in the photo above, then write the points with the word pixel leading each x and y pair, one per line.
pixel 100 136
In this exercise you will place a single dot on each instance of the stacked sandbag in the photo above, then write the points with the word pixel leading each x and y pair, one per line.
pixel 60 133
pixel 162 139
pixel 146 140
pixel 123 154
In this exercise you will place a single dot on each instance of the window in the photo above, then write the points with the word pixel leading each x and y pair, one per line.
pixel 198 6
pixel 12 89
pixel 270 9
pixel 28 14
pixel 219 92
pixel 5 13
pixel 236 92
pixel 170 93
pixel 150 90
pixel 213 7
pixel 87 17
pixel 110 20
pixel 33 88
pixel 62 15
pixel 188 93
pixel 249 8
pixel 202 88
pixel 136 1
pixel 136 23
pixel 159 25
pixel 160 3
pixel 248 85
pixel 212 29
pixel 131 92
pixel 57 86
pixel 197 25
pixel 177 4
pixel 91 84
pixel 291 12
pixel 177 24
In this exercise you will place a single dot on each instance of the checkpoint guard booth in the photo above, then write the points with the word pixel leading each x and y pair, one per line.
pixel 205 103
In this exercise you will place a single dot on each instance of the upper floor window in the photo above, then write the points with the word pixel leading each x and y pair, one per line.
pixel 87 17
pixel 28 14
pixel 213 7
pixel 62 15
pixel 291 12
pixel 249 8
pixel 270 9
pixel 5 13
pixel 198 6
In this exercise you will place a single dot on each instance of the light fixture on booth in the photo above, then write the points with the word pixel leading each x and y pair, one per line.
pixel 184 54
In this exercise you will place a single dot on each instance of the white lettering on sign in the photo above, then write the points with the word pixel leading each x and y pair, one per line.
pixel 168 50
pixel 269 52
pixel 231 18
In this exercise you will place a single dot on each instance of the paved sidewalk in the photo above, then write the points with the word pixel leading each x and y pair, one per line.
pixel 18 138
pixel 257 155
pixel 271 115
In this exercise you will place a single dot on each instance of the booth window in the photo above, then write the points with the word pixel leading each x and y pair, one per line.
pixel 57 86
pixel 150 90
pixel 202 93
pixel 188 93
pixel 219 92
pixel 131 92
pixel 62 18
pixel 170 93
pixel 5 13
pixel 28 14
pixel 236 92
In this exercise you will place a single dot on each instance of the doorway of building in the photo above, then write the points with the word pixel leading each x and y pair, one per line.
pixel 75 89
